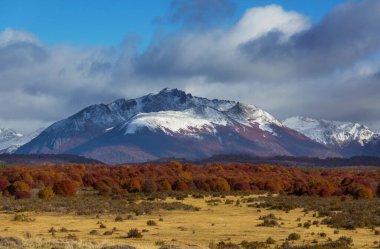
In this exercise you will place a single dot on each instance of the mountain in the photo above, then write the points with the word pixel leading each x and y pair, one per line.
pixel 346 138
pixel 11 140
pixel 44 159
pixel 171 123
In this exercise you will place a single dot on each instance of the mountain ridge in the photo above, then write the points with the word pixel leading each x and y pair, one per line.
pixel 11 140
pixel 173 123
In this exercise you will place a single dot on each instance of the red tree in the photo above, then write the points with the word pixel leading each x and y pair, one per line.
pixel 65 188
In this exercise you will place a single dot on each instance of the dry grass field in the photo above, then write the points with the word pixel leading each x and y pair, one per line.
pixel 231 222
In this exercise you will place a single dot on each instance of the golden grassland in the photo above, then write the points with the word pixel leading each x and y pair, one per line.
pixel 186 229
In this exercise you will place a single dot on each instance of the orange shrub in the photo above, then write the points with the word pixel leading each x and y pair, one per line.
pixel 65 188
pixel 134 186
pixel 20 190
pixel 180 185
pixel 4 183
pixel 46 193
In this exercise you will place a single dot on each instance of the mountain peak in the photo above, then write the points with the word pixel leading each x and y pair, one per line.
pixel 7 134
pixel 11 140
pixel 330 132
pixel 172 122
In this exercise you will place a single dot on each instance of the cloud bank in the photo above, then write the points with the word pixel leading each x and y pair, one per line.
pixel 271 57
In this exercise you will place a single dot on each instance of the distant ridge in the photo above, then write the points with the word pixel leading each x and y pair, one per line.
pixel 44 159
pixel 173 123
pixel 291 161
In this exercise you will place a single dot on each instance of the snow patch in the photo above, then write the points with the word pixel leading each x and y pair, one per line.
pixel 186 122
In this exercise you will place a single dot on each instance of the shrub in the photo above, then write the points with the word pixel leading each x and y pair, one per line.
pixel 306 225
pixel 268 223
pixel 252 245
pixel 23 218
pixel 270 240
pixel 108 232
pixel 11 242
pixel 151 223
pixel 20 190
pixel 269 220
pixel 72 237
pixel 135 186
pixel 364 193
pixel 46 193
pixel 4 183
pixel 65 188
pixel 149 186
pixel 323 235
pixel 164 185
pixel 180 185
pixel 103 188
pixel 118 218
pixel 159 243
pixel 134 233
pixel 347 240
pixel 294 236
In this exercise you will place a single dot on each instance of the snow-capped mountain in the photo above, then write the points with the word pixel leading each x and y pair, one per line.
pixel 330 132
pixel 171 123
pixel 11 140
pixel 347 138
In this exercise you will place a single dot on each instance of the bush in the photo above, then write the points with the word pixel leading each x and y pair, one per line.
pixel 118 218
pixel 269 220
pixel 22 218
pixel 151 223
pixel 20 190
pixel 4 183
pixel 364 192
pixel 306 225
pixel 323 235
pixel 65 188
pixel 268 223
pixel 294 236
pixel 134 233
pixel 10 242
pixel 270 240
pixel 46 193
pixel 253 245
pixel 346 240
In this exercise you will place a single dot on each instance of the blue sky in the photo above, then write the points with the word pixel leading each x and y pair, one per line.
pixel 100 22
pixel 314 58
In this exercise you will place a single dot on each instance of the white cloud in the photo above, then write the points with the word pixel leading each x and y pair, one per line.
pixel 9 36
pixel 257 22
pixel 260 59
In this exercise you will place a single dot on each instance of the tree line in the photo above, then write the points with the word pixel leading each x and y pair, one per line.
pixel 18 181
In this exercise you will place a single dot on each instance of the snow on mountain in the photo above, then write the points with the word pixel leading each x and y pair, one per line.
pixel 8 134
pixel 188 114
pixel 11 140
pixel 331 132
pixel 120 131
pixel 162 109
pixel 250 114
pixel 187 122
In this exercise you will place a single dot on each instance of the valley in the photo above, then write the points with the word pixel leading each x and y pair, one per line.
pixel 230 219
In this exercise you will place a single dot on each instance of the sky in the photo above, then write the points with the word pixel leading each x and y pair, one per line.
pixel 315 58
